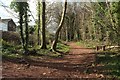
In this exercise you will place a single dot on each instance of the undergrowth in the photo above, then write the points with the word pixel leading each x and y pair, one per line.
pixel 88 44
pixel 16 51
pixel 110 63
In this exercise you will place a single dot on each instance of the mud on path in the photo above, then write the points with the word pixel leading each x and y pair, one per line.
pixel 78 63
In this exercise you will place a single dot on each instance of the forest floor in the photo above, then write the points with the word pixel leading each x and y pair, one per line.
pixel 78 63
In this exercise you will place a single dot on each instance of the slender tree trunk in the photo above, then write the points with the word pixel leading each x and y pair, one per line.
pixel 21 27
pixel 67 29
pixel 78 35
pixel 21 32
pixel 38 22
pixel 43 41
pixel 26 29
pixel 67 34
pixel 60 35
pixel 54 44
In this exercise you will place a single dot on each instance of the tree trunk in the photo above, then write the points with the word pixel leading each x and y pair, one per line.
pixel 60 35
pixel 26 29
pixel 54 44
pixel 67 39
pixel 21 27
pixel 78 35
pixel 21 31
pixel 67 28
pixel 43 41
pixel 38 22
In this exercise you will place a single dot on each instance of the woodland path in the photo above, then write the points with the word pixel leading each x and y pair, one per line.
pixel 78 63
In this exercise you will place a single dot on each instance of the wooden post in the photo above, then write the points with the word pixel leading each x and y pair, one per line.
pixel 103 47
pixel 97 48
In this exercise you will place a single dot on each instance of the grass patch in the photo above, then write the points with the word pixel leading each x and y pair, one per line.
pixel 44 52
pixel 110 62
pixel 9 50
pixel 63 48
pixel 88 44
pixel 60 47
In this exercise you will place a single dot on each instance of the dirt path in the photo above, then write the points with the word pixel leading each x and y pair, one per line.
pixel 78 63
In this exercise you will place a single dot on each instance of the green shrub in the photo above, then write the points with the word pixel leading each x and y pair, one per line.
pixel 32 40
pixel 89 43
pixel 110 62
pixel 6 44
pixel 15 39
pixel 11 37
pixel 62 48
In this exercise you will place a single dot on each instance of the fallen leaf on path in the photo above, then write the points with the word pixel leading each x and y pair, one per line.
pixel 44 73
pixel 49 72
pixel 93 64
pixel 18 68
pixel 101 76
pixel 75 75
